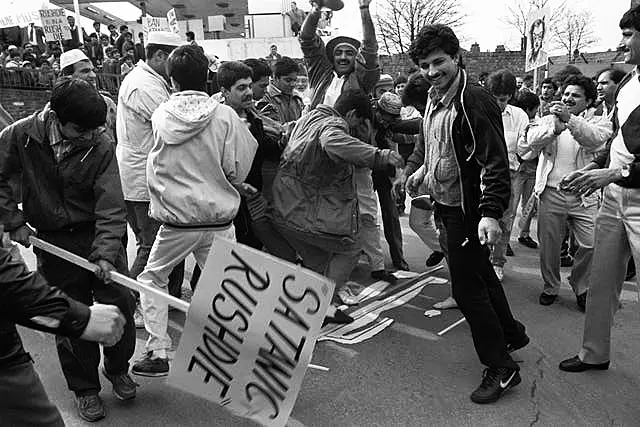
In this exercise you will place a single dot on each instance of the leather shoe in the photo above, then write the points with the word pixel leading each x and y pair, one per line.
pixel 576 365
pixel 581 300
pixel 547 299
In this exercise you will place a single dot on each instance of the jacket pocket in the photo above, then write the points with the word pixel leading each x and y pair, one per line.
pixel 337 215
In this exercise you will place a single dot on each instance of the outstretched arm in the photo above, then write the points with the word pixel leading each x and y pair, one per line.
pixel 368 28
pixel 311 23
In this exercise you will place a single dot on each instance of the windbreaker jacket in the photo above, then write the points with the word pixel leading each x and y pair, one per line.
pixel 83 188
pixel 481 152
pixel 315 191
pixel 589 131
pixel 201 148
pixel 364 77
pixel 26 299
pixel 279 106
pixel 141 92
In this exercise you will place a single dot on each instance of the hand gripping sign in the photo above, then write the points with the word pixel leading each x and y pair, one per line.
pixel 250 329
pixel 250 332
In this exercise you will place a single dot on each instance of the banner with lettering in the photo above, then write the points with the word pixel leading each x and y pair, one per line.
pixel 250 332
pixel 20 19
pixel 151 24
pixel 55 25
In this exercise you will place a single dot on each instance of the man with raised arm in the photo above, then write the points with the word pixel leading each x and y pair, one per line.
pixel 345 63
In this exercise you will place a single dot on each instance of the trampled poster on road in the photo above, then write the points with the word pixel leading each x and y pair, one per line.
pixel 250 332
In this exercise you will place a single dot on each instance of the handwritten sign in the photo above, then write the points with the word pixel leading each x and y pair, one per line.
pixel 55 25
pixel 250 332
pixel 20 19
pixel 172 20
pixel 151 24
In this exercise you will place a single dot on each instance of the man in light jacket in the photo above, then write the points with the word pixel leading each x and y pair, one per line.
pixel 567 140
pixel 202 152
pixel 141 92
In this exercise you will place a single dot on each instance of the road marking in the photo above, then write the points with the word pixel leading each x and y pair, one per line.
pixel 414 332
pixel 349 353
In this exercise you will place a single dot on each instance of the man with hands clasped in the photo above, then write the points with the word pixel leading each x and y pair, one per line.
pixel 466 173
pixel 567 139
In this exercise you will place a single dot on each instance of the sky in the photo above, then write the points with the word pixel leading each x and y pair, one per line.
pixel 483 22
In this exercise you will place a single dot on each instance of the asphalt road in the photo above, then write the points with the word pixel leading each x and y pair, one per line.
pixel 409 376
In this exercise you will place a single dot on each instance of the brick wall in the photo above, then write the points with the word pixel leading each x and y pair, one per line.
pixel 476 62
pixel 23 102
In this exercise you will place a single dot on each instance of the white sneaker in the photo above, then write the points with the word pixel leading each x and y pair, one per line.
pixel 138 318
pixel 499 272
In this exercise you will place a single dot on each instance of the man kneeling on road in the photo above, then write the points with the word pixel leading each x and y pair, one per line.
pixel 72 196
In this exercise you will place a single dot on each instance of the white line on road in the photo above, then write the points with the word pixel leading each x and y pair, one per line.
pixel 414 332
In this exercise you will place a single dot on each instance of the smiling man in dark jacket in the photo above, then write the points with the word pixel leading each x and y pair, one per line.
pixel 466 173
pixel 27 299
pixel 73 198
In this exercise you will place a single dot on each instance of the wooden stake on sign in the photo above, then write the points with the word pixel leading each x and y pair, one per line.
pixel 115 276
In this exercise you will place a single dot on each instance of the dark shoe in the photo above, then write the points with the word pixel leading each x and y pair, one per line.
pixel 509 251
pixel 402 265
pixel 339 318
pixel 511 347
pixel 566 261
pixel 631 270
pixel 582 301
pixel 148 367
pixel 90 408
pixel 384 275
pixel 124 388
pixel 547 299
pixel 495 381
pixel 528 242
pixel 576 365
pixel 435 258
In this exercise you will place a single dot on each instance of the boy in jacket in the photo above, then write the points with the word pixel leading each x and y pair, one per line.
pixel 72 197
pixel 466 173
pixel 27 299
pixel 201 153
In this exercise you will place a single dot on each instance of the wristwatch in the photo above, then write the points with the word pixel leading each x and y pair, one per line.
pixel 625 171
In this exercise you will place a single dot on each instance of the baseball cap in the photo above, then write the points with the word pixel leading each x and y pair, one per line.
pixel 165 38
pixel 72 56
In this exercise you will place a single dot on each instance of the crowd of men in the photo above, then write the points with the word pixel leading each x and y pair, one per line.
pixel 304 181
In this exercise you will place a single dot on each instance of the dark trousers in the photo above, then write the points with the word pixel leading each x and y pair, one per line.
pixel 478 291
pixel 23 400
pixel 145 229
pixel 80 359
pixel 390 217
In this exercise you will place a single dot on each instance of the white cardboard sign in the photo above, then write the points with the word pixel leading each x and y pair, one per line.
pixel 250 332
pixel 55 25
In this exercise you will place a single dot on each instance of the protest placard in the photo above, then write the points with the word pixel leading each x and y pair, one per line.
pixel 151 24
pixel 55 25
pixel 172 20
pixel 538 38
pixel 20 18
pixel 250 332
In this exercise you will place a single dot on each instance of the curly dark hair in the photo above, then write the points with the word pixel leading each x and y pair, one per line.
pixel 631 19
pixel 501 82
pixel 585 83
pixel 431 38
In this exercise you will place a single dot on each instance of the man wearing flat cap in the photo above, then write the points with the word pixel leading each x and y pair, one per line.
pixel 345 63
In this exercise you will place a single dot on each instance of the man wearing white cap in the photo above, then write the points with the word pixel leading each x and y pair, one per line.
pixel 76 64
pixel 344 64
pixel 141 92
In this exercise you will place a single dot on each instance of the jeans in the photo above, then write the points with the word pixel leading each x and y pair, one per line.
pixel 145 228
pixel 80 359
pixel 23 399
pixel 370 241
pixel 422 223
pixel 617 237
pixel 557 210
pixel 390 217
pixel 477 290
pixel 170 248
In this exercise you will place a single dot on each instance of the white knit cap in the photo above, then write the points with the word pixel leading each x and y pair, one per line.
pixel 165 38
pixel 72 56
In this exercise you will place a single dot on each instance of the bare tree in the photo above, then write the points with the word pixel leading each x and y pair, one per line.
pixel 399 21
pixel 575 31
pixel 520 10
